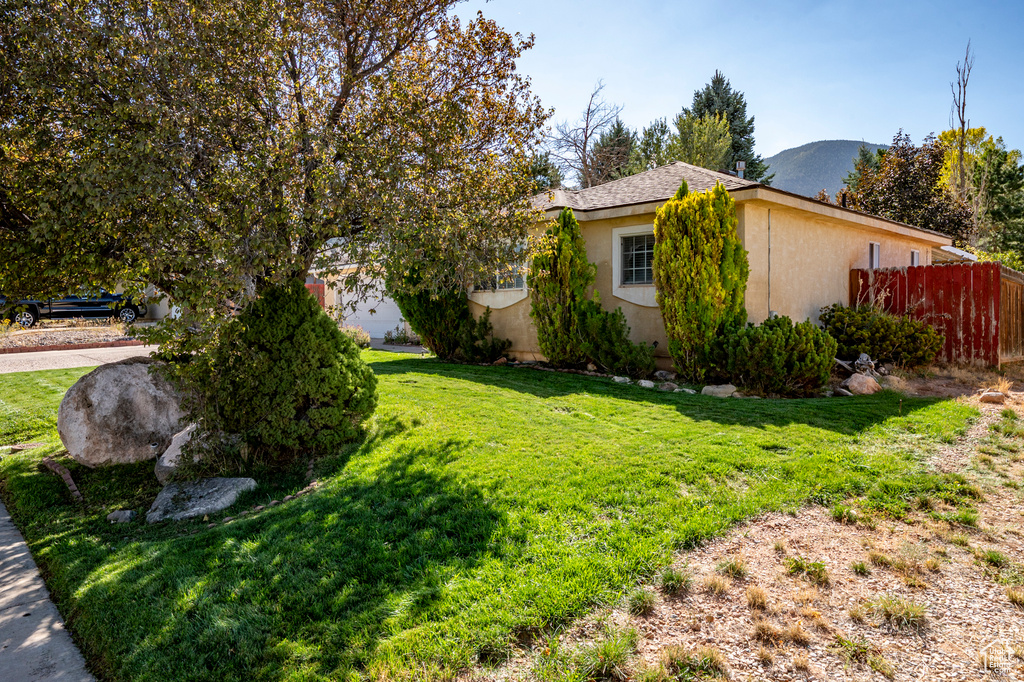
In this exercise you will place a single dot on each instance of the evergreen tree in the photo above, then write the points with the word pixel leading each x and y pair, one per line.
pixel 612 153
pixel 703 141
pixel 544 172
pixel 652 150
pixel 1000 176
pixel 718 97
pixel 866 162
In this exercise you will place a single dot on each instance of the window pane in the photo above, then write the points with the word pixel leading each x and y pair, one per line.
pixel 637 259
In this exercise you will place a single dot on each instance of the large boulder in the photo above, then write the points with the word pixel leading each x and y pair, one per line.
pixel 178 501
pixel 119 414
pixel 167 463
pixel 861 384
pixel 719 391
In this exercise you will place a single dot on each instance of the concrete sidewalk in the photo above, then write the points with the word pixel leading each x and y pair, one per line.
pixel 34 646
pixel 62 359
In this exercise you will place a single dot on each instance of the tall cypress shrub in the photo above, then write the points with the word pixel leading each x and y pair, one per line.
pixel 558 280
pixel 700 271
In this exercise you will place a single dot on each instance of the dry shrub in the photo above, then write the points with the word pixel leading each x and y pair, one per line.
pixel 716 585
pixel 757 598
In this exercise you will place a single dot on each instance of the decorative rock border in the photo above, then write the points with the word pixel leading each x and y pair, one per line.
pixel 71 346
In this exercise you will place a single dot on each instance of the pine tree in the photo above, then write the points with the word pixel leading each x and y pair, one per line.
pixel 718 97
pixel 652 150
pixel 545 173
pixel 703 141
pixel 612 153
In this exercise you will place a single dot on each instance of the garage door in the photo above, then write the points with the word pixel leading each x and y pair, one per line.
pixel 377 314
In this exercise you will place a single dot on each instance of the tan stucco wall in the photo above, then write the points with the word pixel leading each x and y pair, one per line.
pixel 808 264
pixel 813 249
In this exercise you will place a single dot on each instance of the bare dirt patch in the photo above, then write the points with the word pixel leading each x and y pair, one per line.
pixel 865 597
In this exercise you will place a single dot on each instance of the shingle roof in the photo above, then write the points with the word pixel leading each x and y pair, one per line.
pixel 659 184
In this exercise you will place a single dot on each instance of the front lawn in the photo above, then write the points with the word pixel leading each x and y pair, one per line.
pixel 485 505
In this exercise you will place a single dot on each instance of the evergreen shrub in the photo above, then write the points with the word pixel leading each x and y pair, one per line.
pixel 779 357
pixel 445 325
pixel 899 339
pixel 281 381
pixel 604 340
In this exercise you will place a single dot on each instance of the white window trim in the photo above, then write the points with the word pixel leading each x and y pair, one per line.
pixel 915 257
pixel 874 255
pixel 497 299
pixel 639 294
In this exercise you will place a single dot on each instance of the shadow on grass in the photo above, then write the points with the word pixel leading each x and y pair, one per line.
pixel 847 416
pixel 306 588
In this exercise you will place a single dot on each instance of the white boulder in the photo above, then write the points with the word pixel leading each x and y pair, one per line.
pixel 719 391
pixel 169 461
pixel 119 413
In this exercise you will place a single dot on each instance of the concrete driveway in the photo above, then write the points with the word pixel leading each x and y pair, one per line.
pixel 63 359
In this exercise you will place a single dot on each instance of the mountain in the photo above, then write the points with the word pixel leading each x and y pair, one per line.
pixel 815 166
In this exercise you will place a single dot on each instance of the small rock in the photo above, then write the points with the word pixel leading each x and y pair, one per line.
pixel 668 386
pixel 258 507
pixel 274 503
pixel 591 367
pixel 169 461
pixel 121 516
pixel 228 519
pixel 645 383
pixel 663 375
pixel 861 384
pixel 720 391
pixel 993 397
pixel 289 498
pixel 212 525
pixel 501 361
pixel 621 380
pixel 178 501
pixel 688 391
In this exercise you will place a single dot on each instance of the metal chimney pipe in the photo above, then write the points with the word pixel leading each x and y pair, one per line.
pixel 740 167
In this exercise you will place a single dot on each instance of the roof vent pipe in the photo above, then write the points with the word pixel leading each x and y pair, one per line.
pixel 740 167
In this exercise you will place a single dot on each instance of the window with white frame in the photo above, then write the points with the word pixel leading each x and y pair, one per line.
pixel 874 255
pixel 506 281
pixel 915 257
pixel 638 259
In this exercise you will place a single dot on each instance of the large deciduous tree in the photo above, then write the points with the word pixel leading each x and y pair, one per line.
pixel 718 98
pixel 216 148
pixel 907 187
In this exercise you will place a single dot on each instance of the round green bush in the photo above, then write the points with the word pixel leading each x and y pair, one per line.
pixel 780 357
pixel 284 380
pixel 901 340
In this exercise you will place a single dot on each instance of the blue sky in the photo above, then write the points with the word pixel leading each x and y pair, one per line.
pixel 810 70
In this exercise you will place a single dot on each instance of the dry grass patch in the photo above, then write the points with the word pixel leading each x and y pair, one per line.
pixel 1016 596
pixel 683 663
pixel 795 633
pixel 734 567
pixel 757 598
pixel 801 663
pixel 717 586
pixel 901 614
pixel 765 656
pixel 767 631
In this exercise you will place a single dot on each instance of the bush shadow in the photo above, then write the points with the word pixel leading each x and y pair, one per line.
pixel 846 416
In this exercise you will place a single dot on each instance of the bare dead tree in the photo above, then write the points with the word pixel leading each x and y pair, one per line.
pixel 572 143
pixel 959 121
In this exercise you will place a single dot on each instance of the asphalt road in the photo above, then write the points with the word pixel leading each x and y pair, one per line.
pixel 62 359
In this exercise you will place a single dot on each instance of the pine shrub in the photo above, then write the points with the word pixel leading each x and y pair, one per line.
pixel 559 280
pixel 778 357
pixel 885 337
pixel 446 326
pixel 700 270
pixel 282 381
pixel 604 340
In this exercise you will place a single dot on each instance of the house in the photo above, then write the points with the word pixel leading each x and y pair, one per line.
pixel 800 250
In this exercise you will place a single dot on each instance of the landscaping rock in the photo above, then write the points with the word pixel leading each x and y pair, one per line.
pixel 993 397
pixel 645 383
pixel 861 384
pixel 864 363
pixel 621 380
pixel 501 361
pixel 663 375
pixel 668 386
pixel 842 392
pixel 168 462
pixel 688 391
pixel 720 391
pixel 121 516
pixel 178 501
pixel 119 413
pixel 591 367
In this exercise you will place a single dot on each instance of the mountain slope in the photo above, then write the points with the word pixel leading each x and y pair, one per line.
pixel 815 166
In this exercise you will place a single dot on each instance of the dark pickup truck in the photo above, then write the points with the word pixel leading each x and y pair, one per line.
pixel 29 311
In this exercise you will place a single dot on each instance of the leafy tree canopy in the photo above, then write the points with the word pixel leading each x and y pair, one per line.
pixel 215 149
pixel 703 141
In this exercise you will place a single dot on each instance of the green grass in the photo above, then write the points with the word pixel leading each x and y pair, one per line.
pixel 485 506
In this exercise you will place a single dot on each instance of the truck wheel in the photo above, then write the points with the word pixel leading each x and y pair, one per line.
pixel 127 314
pixel 27 318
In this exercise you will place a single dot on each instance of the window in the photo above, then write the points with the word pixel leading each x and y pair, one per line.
pixel 874 255
pixel 638 259
pixel 509 283
pixel 915 257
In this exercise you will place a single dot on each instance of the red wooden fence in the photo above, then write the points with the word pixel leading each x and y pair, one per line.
pixel 318 290
pixel 961 300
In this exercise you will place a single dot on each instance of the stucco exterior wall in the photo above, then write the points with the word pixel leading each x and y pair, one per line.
pixel 800 262
pixel 799 265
